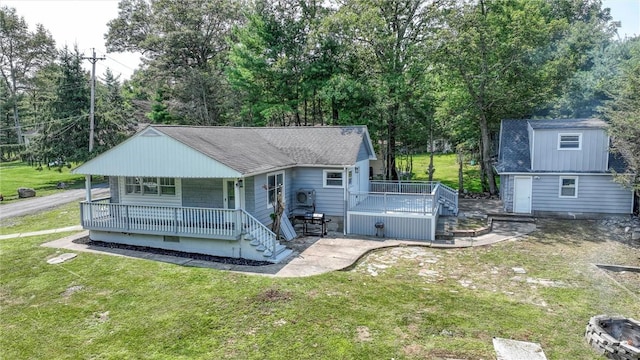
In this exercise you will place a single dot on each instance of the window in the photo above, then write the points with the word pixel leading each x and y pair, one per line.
pixel 568 187
pixel 333 178
pixel 569 141
pixel 150 186
pixel 132 185
pixel 275 186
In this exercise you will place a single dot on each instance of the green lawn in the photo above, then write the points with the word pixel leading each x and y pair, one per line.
pixel 16 174
pixel 422 303
pixel 446 171
pixel 62 216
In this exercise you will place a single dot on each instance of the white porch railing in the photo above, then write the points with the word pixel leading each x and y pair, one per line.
pixel 404 187
pixel 391 202
pixel 440 191
pixel 212 223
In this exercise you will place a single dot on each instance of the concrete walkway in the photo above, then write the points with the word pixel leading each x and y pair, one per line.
pixel 324 255
pixel 41 232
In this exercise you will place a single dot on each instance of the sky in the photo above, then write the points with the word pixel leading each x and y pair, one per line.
pixel 84 23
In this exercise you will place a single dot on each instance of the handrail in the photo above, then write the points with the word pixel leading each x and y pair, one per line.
pixel 173 220
pixel 367 201
pixel 259 232
pixel 185 221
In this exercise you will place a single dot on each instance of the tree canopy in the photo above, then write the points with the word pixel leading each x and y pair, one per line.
pixel 408 69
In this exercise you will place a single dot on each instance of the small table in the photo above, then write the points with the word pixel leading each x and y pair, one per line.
pixel 314 219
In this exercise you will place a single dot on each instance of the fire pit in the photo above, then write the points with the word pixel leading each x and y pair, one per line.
pixel 615 337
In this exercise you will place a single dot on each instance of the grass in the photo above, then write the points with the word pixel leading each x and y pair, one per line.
pixel 402 303
pixel 16 174
pixel 446 171
pixel 62 216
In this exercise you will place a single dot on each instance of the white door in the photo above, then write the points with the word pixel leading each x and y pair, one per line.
pixel 522 194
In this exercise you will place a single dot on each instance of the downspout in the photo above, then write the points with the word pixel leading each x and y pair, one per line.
pixel 345 176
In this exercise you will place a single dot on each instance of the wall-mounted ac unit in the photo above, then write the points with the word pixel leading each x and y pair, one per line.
pixel 305 197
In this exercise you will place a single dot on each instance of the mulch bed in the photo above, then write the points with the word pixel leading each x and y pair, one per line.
pixel 219 259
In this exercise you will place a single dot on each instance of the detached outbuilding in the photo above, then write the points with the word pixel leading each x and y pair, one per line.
pixel 560 167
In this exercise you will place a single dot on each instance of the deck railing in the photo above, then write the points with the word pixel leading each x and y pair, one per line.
pixel 403 187
pixel 391 202
pixel 212 223
pixel 418 197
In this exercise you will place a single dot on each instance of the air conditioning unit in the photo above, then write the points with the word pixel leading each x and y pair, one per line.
pixel 305 197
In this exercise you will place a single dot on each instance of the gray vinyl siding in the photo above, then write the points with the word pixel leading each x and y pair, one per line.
pixel 596 194
pixel 329 201
pixel 114 189
pixel 413 228
pixel 250 195
pixel 592 156
pixel 363 154
pixel 205 193
pixel 260 209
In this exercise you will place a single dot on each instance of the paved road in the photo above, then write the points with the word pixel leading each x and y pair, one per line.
pixel 32 205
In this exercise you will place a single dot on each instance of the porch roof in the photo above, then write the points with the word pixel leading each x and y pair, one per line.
pixel 215 152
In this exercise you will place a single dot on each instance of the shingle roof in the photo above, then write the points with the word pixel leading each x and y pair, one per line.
pixel 251 150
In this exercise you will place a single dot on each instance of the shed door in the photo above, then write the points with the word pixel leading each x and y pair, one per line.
pixel 522 194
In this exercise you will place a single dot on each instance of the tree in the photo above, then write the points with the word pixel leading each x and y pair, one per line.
pixel 65 134
pixel 114 120
pixel 22 53
pixel 392 36
pixel 502 56
pixel 185 47
pixel 623 113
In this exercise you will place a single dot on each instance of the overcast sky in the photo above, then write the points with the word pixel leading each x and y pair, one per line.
pixel 84 22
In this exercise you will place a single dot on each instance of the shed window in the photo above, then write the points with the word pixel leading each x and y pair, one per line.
pixel 569 141
pixel 150 186
pixel 333 178
pixel 568 187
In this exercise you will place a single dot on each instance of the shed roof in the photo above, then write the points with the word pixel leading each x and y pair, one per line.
pixel 237 151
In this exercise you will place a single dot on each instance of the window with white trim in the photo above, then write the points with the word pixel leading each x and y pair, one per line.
pixel 275 186
pixel 150 186
pixel 569 141
pixel 333 178
pixel 568 187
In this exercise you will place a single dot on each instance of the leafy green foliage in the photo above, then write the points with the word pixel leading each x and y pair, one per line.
pixel 22 53
pixel 623 112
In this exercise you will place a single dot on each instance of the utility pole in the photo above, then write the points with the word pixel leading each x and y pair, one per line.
pixel 93 59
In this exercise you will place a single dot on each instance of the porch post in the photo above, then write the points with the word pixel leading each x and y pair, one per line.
pixel 87 185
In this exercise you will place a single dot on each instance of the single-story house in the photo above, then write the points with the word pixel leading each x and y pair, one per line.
pixel 213 190
pixel 560 167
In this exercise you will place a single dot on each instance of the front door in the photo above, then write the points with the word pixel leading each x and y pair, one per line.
pixel 522 194
pixel 229 191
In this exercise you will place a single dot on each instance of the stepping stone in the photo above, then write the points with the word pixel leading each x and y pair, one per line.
pixel 61 258
pixel 507 349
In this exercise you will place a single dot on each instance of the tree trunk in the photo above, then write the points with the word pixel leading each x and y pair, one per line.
pixel 392 172
pixel 460 172
pixel 431 170
pixel 486 154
